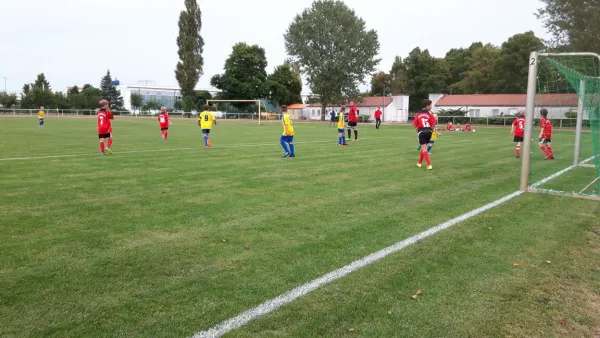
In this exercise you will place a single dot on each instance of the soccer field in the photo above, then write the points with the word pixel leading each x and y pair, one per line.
pixel 167 239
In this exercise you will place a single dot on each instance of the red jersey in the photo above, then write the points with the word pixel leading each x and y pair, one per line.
pixel 424 120
pixel 546 126
pixel 449 126
pixel 163 120
pixel 104 125
pixel 353 114
pixel 378 114
pixel 519 125
pixel 468 127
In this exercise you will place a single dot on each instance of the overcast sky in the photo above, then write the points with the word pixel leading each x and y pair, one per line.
pixel 76 41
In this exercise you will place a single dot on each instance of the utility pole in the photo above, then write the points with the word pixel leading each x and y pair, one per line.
pixel 5 84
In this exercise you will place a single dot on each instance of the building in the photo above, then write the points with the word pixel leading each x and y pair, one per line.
pixel 296 110
pixel 163 95
pixel 394 108
pixel 490 105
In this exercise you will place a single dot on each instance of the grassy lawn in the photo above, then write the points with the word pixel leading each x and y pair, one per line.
pixel 165 239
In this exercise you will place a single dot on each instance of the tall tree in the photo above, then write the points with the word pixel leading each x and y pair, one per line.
pixel 381 84
pixel 573 24
pixel 458 65
pixel 513 65
pixel 191 45
pixel 426 75
pixel 245 75
pixel 482 68
pixel 73 91
pixel 137 100
pixel 399 79
pixel 8 100
pixel 285 86
pixel 110 92
pixel 37 94
pixel 334 49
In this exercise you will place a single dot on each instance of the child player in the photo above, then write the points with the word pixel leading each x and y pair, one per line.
pixel 164 123
pixel 353 121
pixel 546 135
pixel 434 135
pixel 518 131
pixel 41 115
pixel 340 126
pixel 287 138
pixel 424 122
pixel 468 128
pixel 205 122
pixel 105 127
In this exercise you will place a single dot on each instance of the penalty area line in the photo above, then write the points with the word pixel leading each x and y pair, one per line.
pixel 285 298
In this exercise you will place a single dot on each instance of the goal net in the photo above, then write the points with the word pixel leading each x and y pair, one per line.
pixel 567 86
pixel 257 111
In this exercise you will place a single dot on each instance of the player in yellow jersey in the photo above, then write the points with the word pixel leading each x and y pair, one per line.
pixel 341 125
pixel 41 115
pixel 205 122
pixel 287 138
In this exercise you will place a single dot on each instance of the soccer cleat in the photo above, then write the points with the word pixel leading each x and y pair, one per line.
pixel 549 158
pixel 208 143
pixel 109 151
pixel 429 167
pixel 345 144
pixel 418 147
pixel 292 155
pixel 285 154
pixel 518 156
pixel 102 154
pixel 419 165
pixel 355 140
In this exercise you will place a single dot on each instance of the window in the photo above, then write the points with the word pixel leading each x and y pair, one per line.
pixel 495 112
pixel 474 113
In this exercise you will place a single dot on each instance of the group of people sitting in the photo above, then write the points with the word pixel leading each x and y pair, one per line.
pixel 468 127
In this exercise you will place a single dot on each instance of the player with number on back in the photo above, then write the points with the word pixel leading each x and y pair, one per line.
pixel 287 138
pixel 546 135
pixel 105 127
pixel 353 121
pixel 164 123
pixel 518 131
pixel 424 122
pixel 205 122
pixel 340 127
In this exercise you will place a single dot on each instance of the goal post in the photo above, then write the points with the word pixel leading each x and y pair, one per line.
pixel 565 84
pixel 257 102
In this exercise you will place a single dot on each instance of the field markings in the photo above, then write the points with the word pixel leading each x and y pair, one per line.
pixel 289 296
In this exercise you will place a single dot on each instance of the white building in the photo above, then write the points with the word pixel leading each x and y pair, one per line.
pixel 394 108
pixel 164 95
pixel 490 105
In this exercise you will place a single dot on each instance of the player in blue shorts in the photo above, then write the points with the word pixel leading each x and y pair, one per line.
pixel 287 138
pixel 341 125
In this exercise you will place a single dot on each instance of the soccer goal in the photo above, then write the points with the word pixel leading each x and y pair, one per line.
pixel 567 86
pixel 253 110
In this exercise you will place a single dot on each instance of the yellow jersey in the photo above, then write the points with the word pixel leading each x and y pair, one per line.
pixel 434 135
pixel 288 128
pixel 205 120
pixel 341 122
pixel 41 114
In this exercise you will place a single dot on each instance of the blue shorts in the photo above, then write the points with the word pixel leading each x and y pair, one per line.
pixel 287 139
pixel 205 131
pixel 341 131
pixel 41 120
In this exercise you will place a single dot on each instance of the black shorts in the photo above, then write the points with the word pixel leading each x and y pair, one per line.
pixel 378 119
pixel 109 135
pixel 352 125
pixel 545 140
pixel 164 129
pixel 517 139
pixel 425 136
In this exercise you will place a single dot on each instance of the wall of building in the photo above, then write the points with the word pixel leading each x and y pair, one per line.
pixel 397 111
pixel 165 96
pixel 489 111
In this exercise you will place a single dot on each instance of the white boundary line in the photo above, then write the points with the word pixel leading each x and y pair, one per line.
pixel 289 296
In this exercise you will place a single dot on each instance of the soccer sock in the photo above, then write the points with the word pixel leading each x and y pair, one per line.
pixel 166 134
pixel 550 153
pixel 518 150
pixel 349 133
pixel 285 147
pixel 292 149
pixel 339 140
pixel 101 146
pixel 421 157
pixel 343 139
pixel 426 157
pixel 110 142
pixel 205 140
pixel 356 134
pixel 544 149
pixel 429 148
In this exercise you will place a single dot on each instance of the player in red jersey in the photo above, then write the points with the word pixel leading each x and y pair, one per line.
pixel 424 123
pixel 105 127
pixel 164 122
pixel 518 131
pixel 449 126
pixel 353 121
pixel 378 118
pixel 546 135
pixel 468 128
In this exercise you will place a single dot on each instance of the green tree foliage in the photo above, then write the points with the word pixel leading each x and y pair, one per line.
pixel 137 100
pixel 151 105
pixel 381 84
pixel 191 45
pixel 37 94
pixel 89 98
pixel 178 105
pixel 513 64
pixel 201 96
pixel 73 90
pixel 334 49
pixel 399 79
pixel 426 74
pixel 110 92
pixel 482 67
pixel 285 86
pixel 458 64
pixel 8 100
pixel 245 76
pixel 573 24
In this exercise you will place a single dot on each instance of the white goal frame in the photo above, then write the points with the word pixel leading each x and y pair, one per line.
pixel 257 101
pixel 529 117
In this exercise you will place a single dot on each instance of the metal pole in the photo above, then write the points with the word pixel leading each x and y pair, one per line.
pixel 258 111
pixel 579 122
pixel 5 84
pixel 526 150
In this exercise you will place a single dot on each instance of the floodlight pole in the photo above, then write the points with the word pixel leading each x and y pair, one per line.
pixel 258 111
pixel 526 151
pixel 579 125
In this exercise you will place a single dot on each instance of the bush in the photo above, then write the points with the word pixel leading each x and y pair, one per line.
pixel 363 118
pixel 571 114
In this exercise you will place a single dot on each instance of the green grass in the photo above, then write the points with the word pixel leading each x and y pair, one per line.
pixel 164 239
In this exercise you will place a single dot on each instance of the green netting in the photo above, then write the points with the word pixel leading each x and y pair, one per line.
pixel 565 82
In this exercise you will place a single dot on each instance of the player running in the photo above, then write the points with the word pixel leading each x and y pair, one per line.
pixel 378 118
pixel 424 122
pixel 546 135
pixel 287 138
pixel 341 126
pixel 353 121
pixel 205 122
pixel 105 127
pixel 164 123
pixel 434 136
pixel 518 131
pixel 41 115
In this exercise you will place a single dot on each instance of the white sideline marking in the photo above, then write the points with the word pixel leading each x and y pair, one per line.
pixel 289 296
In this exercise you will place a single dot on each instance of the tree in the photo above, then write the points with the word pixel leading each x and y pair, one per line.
pixel 110 92
pixel 8 100
pixel 137 100
pixel 381 84
pixel 426 75
pixel 285 86
pixel 482 64
pixel 399 79
pixel 245 75
pixel 333 48
pixel 37 94
pixel 573 24
pixel 89 98
pixel 191 45
pixel 513 65
pixel 201 98
pixel 73 91
pixel 178 105
pixel 151 105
